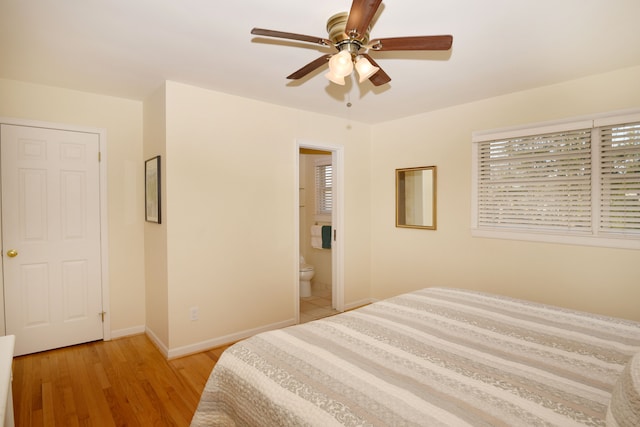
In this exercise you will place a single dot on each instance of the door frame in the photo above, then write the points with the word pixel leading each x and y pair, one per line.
pixel 104 231
pixel 337 222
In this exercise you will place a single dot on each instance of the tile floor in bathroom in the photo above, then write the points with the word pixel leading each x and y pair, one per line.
pixel 317 306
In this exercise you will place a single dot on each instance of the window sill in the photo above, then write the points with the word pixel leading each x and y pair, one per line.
pixel 622 242
pixel 322 218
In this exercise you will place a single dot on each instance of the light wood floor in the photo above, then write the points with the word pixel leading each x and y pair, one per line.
pixel 124 382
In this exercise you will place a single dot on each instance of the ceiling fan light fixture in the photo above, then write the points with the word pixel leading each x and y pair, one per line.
pixel 339 80
pixel 365 69
pixel 349 33
pixel 341 64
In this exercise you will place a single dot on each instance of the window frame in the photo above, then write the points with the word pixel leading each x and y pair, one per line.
pixel 595 237
pixel 322 215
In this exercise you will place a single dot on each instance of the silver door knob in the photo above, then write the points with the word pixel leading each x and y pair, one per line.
pixel 11 253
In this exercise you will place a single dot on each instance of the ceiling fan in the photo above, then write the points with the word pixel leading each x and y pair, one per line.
pixel 349 35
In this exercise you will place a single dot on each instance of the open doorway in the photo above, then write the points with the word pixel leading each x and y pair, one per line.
pixel 319 212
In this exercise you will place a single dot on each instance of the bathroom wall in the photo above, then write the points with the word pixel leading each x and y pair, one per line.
pixel 319 258
pixel 302 201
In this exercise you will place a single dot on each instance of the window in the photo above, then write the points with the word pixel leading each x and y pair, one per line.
pixel 620 179
pixel 324 188
pixel 576 182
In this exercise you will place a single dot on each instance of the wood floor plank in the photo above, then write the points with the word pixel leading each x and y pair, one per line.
pixel 48 413
pixel 123 382
pixel 83 382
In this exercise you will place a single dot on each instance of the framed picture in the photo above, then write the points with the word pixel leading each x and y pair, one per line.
pixel 152 190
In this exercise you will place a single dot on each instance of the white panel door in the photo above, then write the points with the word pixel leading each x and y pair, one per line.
pixel 51 237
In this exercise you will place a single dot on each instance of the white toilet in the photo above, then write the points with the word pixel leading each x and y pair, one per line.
pixel 306 274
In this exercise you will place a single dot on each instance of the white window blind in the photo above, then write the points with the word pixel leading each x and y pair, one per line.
pixel 540 182
pixel 572 182
pixel 324 188
pixel 620 179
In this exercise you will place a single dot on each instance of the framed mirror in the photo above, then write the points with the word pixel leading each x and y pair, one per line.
pixel 416 197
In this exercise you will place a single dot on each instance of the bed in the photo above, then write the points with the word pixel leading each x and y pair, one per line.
pixel 433 357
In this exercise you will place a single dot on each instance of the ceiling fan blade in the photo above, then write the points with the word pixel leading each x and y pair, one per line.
pixel 311 66
pixel 379 78
pixel 360 16
pixel 413 43
pixel 291 36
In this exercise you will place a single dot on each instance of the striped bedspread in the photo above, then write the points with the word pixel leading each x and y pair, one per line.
pixel 434 357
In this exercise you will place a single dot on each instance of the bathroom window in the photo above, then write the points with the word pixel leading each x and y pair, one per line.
pixel 324 188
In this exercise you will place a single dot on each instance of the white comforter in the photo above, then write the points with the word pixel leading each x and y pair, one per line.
pixel 435 357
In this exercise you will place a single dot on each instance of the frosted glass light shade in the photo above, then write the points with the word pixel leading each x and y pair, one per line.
pixel 339 80
pixel 341 64
pixel 365 69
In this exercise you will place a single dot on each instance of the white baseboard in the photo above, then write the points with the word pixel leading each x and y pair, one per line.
pixel 217 342
pixel 357 304
pixel 158 343
pixel 119 333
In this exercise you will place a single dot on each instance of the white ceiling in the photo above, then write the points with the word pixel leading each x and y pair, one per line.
pixel 127 48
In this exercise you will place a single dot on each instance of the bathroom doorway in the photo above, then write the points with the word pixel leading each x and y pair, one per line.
pixel 319 214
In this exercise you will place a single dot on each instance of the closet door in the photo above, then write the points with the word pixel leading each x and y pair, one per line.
pixel 51 237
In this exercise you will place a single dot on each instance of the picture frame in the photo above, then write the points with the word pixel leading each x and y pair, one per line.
pixel 152 193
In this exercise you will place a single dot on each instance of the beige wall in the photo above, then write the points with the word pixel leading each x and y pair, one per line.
pixel 231 189
pixel 155 235
pixel 228 244
pixel 122 120
pixel 601 280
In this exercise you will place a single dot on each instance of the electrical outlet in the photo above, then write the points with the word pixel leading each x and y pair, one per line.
pixel 194 313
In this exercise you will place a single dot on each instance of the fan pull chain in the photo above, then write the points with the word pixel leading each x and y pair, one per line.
pixel 349 104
